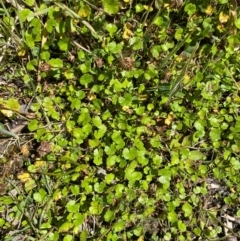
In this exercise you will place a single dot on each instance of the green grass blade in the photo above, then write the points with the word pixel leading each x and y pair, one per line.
pixel 174 51
pixel 177 85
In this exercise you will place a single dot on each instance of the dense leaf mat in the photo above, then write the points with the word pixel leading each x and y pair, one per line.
pixel 123 119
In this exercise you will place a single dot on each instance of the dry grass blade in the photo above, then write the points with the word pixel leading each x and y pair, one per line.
pixel 93 6
pixel 81 47
pixel 228 227
pixel 10 32
pixel 15 4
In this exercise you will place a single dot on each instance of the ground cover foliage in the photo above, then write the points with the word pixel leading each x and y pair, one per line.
pixel 131 113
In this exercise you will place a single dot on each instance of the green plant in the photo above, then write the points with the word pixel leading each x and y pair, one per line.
pixel 135 110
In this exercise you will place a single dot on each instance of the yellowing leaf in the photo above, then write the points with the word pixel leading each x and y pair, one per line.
pixel 84 11
pixel 65 227
pixel 21 52
pixel 29 185
pixel 209 10
pixel 237 99
pixel 24 177
pixel 25 150
pixel 168 121
pixel 220 28
pixel 186 79
pixel 127 26
pixel 166 5
pixel 127 109
pixel 146 7
pixel 104 43
pixel 7 113
pixel 66 166
pixel 44 36
pixel 179 58
pixel 12 104
pixel 142 97
pixel 223 18
pixel 233 190
pixel 57 195
pixel 141 238
pixel 92 96
pixel 40 165
pixel 127 31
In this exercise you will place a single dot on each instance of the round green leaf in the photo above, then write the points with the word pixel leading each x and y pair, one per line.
pixel 195 155
pixel 74 189
pixel 158 21
pixel 111 6
pixel 68 237
pixel 86 79
pixel 119 226
pixel 2 222
pixel 72 207
pixel 108 215
pixel 139 7
pixel 190 9
pixel 95 208
pixel 77 133
pixel 182 226
pixel 30 2
pixel 33 125
pixel 111 160
pixel 76 104
pixel 65 227
pixel 100 133
pixel 37 197
pixel 64 43
pixel 129 154
pixel 109 178
pixel 135 176
pixel 84 235
pixel 199 124
pixel 40 195
pixel 56 63
pixel 111 28
pixel 24 14
pixel 97 121
pixel 215 134
pixel 237 23
pixel 172 217
pixel 187 209
pixel 98 156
